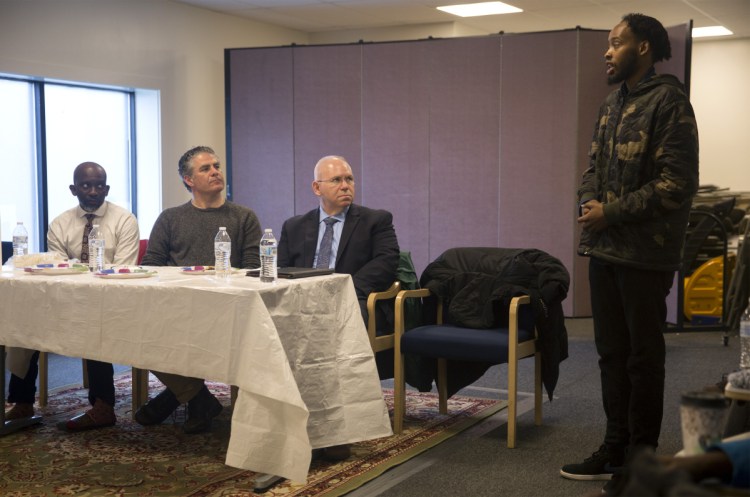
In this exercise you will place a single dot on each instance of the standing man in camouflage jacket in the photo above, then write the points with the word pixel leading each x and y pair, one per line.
pixel 635 198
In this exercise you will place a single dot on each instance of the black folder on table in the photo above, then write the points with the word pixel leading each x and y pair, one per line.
pixel 302 272
pixel 297 272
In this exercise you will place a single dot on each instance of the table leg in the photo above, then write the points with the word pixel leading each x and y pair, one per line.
pixel 7 427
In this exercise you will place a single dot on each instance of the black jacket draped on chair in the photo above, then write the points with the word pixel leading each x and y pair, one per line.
pixel 475 283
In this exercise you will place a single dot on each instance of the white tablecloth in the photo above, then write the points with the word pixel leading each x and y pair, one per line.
pixel 297 349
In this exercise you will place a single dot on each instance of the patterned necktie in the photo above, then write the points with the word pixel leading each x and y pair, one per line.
pixel 85 242
pixel 324 254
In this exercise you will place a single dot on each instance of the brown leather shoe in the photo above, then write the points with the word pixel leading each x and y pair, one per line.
pixel 337 453
pixel 99 416
pixel 19 411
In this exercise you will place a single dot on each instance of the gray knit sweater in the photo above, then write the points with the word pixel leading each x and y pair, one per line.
pixel 184 236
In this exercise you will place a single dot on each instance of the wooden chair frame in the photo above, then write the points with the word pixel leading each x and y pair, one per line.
pixel 383 342
pixel 516 352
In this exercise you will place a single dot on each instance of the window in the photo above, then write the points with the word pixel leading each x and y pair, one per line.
pixel 51 127
pixel 18 192
pixel 87 125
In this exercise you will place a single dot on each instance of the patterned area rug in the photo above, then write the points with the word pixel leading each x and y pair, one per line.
pixel 161 461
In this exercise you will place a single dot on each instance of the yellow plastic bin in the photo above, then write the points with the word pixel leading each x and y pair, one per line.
pixel 704 291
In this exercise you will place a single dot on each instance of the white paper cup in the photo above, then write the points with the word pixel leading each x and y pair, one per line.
pixel 703 416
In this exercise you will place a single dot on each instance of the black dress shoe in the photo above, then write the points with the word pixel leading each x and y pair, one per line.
pixel 202 408
pixel 157 409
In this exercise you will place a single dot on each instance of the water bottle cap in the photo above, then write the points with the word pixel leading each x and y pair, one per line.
pixel 268 230
pixel 222 227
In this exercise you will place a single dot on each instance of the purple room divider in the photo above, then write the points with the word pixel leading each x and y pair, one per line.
pixel 396 139
pixel 260 131
pixel 477 141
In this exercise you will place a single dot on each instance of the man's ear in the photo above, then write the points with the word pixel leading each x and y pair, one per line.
pixel 316 188
pixel 644 47
pixel 188 181
pixel 73 190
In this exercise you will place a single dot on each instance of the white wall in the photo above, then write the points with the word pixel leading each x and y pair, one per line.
pixel 179 50
pixel 719 93
pixel 155 44
pixel 395 33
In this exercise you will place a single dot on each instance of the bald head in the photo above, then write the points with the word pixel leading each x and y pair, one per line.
pixel 328 162
pixel 86 168
pixel 333 183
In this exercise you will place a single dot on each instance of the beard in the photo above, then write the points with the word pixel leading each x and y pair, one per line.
pixel 626 67
pixel 90 207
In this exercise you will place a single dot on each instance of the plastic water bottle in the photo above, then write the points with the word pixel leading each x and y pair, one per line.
pixel 20 240
pixel 745 338
pixel 268 254
pixel 96 249
pixel 223 253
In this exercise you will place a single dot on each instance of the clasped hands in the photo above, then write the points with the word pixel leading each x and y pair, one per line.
pixel 592 216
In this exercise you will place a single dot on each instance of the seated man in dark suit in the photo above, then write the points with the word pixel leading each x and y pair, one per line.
pixel 344 236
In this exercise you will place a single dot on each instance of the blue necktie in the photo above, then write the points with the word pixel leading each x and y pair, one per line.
pixel 324 254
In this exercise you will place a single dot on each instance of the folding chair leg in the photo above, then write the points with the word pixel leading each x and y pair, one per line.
pixel 512 402
pixel 442 386
pixel 399 395
pixel 538 389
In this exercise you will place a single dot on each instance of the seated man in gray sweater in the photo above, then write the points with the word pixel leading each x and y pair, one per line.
pixel 184 236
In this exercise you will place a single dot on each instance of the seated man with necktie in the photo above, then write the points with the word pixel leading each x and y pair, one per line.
pixel 344 236
pixel 68 236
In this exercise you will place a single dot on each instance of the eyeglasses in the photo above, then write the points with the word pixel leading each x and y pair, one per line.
pixel 337 180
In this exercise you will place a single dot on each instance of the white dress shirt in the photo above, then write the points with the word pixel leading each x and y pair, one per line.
pixel 65 236
pixel 120 228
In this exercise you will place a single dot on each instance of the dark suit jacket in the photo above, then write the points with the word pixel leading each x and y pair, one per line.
pixel 368 249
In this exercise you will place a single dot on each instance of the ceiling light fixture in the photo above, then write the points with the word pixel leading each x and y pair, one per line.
pixel 480 9
pixel 711 31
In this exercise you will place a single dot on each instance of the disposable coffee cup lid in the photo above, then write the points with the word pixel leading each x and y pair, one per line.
pixel 705 399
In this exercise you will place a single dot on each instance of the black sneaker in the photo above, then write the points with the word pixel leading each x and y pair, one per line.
pixel 599 466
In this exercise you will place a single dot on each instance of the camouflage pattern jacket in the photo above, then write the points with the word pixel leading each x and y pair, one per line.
pixel 644 169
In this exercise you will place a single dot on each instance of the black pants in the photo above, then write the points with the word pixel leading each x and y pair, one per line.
pixel 100 377
pixel 24 389
pixel 630 311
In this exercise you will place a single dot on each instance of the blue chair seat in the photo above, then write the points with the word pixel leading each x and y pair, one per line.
pixel 449 342
pixel 457 343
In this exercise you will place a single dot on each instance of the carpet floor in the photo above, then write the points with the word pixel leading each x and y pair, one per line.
pixel 161 461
